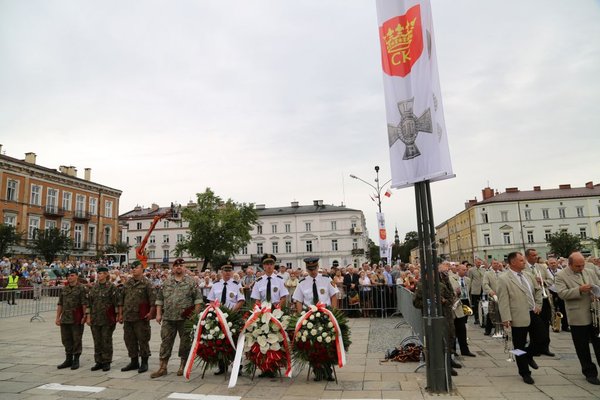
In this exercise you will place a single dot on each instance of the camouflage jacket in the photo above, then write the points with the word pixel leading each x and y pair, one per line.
pixel 446 294
pixel 177 298
pixel 72 299
pixel 137 296
pixel 103 299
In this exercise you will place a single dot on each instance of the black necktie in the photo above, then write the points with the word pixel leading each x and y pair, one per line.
pixel 224 293
pixel 269 288
pixel 315 292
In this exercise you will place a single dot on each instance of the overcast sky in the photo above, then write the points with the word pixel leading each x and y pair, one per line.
pixel 277 101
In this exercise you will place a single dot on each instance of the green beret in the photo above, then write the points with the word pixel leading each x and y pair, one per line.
pixel 136 264
pixel 102 269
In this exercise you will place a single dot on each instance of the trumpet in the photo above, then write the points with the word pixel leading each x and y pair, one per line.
pixel 508 346
pixel 542 283
pixel 595 308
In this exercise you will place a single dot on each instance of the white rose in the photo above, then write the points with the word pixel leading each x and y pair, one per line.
pixel 313 332
pixel 318 315
pixel 233 330
pixel 222 336
pixel 320 328
pixel 229 324
pixel 324 334
pixel 304 322
pixel 225 315
pixel 309 325
pixel 304 338
pixel 210 337
pixel 319 339
pixel 327 339
pixel 277 313
pixel 203 322
pixel 312 317
pixel 330 325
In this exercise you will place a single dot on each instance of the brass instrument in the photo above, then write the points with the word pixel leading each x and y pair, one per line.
pixel 467 310
pixel 508 346
pixel 595 308
pixel 557 317
pixel 542 283
pixel 494 314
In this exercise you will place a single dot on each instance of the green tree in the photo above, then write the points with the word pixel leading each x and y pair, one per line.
pixel 562 244
pixel 217 229
pixel 9 236
pixel 120 247
pixel 411 240
pixel 374 256
pixel 50 242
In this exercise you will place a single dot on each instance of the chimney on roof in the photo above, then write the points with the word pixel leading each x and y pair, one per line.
pixel 537 188
pixel 295 204
pixel 470 203
pixel 137 208
pixel 487 193
pixel 63 169
pixel 30 158
pixel 565 186
pixel 87 174
pixel 71 171
pixel 589 185
pixel 318 203
pixel 260 207
pixel 512 190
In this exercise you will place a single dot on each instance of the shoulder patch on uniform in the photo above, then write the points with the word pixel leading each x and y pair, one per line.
pixel 280 277
pixel 301 280
pixel 236 282
pixel 259 279
pixel 326 276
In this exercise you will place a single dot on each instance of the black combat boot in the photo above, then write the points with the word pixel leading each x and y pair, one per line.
pixel 96 367
pixel 106 366
pixel 143 365
pixel 134 364
pixel 67 363
pixel 75 364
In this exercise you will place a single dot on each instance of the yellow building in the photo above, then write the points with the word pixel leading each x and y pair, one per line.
pixel 456 237
pixel 34 197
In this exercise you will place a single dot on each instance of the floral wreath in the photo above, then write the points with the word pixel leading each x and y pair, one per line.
pixel 213 337
pixel 321 337
pixel 264 341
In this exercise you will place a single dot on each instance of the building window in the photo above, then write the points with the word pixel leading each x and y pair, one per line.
pixel 36 199
pixel 353 224
pixel 165 224
pixel 334 225
pixel 273 228
pixel 583 232
pixel 486 239
pixel 138 240
pixel 288 228
pixel 530 237
pixel 138 225
pixel 65 227
pixel 107 234
pixel 598 210
pixel 580 212
pixel 288 265
pixel 34 226
pixel 11 190
pixel 561 213
pixel 67 200
pixel 10 220
pixel 179 237
pixel 52 199
pixel 259 247
pixel 50 224
pixel 93 206
pixel 547 234
pixel 528 215
pixel 275 247
pixel 545 213
pixel 288 247
pixel 484 218
pixel 244 250
pixel 108 209
pixel 79 204
pixel 152 239
pixel 166 255
pixel 165 238
pixel 334 245
pixel 307 226
pixel 151 254
pixel 78 236
pixel 354 244
pixel 92 234
pixel 506 236
pixel 504 216
pixel 259 230
pixel 309 247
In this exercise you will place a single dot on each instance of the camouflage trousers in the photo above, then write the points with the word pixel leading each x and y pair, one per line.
pixel 70 335
pixel 168 331
pixel 103 342
pixel 136 335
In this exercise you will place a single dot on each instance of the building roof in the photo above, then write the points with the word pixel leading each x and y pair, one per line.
pixel 565 191
pixel 54 172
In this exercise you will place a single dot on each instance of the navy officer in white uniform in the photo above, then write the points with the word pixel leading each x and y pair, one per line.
pixel 315 287
pixel 270 287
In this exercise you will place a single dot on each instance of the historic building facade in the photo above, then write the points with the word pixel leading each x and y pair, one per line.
pixel 34 197
pixel 519 219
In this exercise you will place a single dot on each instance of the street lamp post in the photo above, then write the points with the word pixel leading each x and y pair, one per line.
pixel 377 189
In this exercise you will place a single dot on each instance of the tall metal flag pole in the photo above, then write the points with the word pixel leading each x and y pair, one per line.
pixel 419 152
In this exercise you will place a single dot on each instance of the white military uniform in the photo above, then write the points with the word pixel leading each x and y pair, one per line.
pixel 235 292
pixel 304 291
pixel 278 289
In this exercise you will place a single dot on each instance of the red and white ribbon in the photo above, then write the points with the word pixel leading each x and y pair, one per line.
pixel 339 341
pixel 221 319
pixel 257 312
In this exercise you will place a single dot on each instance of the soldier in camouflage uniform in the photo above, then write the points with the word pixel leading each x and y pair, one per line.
pixel 70 316
pixel 176 301
pixel 103 299
pixel 136 311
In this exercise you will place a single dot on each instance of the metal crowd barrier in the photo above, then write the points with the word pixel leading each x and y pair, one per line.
pixel 28 301
pixel 369 301
pixel 410 313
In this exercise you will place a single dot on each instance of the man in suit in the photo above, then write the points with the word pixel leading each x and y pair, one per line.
pixel 490 287
pixel 574 286
pixel 461 285
pixel 559 304
pixel 476 275
pixel 351 284
pixel 520 302
pixel 540 274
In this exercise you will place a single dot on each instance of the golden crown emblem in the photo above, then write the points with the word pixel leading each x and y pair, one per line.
pixel 400 38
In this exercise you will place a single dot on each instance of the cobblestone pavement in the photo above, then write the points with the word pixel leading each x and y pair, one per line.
pixel 30 351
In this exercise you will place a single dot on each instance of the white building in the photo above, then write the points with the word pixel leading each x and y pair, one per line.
pixel 336 234
pixel 519 219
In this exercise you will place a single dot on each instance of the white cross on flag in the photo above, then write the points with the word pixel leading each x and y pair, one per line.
pixel 415 115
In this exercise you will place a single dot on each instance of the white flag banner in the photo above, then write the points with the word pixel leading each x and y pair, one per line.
pixel 415 115
pixel 383 246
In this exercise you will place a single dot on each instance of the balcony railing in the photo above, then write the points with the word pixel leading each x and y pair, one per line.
pixel 358 252
pixel 80 215
pixel 53 211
